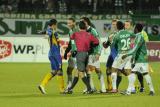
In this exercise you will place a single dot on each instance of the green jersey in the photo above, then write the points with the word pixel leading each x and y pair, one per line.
pixel 139 50
pixel 97 49
pixel 145 36
pixel 73 45
pixel 122 40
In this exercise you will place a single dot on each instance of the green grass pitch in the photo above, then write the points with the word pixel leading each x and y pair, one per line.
pixel 19 81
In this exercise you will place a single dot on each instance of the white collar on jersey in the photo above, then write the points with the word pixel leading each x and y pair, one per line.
pixel 88 27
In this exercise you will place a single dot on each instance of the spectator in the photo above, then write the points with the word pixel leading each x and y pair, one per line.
pixel 80 6
pixel 95 5
pixel 105 6
pixel 50 6
pixel 4 7
pixel 25 6
pixel 62 6
pixel 119 5
pixel 39 5
pixel 154 6
pixel 129 5
pixel 74 5
pixel 69 5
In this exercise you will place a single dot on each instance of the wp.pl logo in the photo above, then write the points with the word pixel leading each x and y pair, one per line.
pixel 5 49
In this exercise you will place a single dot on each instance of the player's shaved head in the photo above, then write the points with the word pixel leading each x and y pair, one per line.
pixel 120 25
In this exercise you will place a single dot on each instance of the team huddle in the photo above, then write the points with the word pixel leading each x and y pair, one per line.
pixel 128 56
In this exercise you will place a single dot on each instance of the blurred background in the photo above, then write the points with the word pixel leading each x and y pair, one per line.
pixel 81 6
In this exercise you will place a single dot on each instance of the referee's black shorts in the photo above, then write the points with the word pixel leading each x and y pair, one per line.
pixel 82 61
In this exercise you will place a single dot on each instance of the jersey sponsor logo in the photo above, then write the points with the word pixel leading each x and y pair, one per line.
pixel 29 49
pixel 5 49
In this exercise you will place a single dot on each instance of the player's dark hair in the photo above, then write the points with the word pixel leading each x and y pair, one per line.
pixel 71 18
pixel 52 22
pixel 120 25
pixel 139 27
pixel 86 19
pixel 82 25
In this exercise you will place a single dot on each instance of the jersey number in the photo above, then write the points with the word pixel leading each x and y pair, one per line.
pixel 126 44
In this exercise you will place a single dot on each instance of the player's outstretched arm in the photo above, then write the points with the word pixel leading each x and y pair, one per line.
pixel 67 50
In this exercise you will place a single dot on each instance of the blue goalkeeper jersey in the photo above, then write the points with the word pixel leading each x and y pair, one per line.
pixel 53 42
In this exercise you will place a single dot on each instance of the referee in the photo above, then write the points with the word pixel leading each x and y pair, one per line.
pixel 83 40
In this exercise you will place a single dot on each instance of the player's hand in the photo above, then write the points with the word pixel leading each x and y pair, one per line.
pixel 46 36
pixel 124 56
pixel 74 53
pixel 104 44
pixel 110 38
pixel 41 31
pixel 65 55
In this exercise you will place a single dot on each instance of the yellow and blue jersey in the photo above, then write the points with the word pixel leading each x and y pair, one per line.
pixel 54 52
pixel 53 42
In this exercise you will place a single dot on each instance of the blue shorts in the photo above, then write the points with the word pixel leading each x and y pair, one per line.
pixel 111 57
pixel 109 61
pixel 56 62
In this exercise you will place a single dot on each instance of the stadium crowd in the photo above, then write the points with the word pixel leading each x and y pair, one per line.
pixel 72 6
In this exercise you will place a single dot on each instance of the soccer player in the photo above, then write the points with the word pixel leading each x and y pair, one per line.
pixel 145 36
pixel 94 54
pixel 83 40
pixel 71 47
pixel 128 26
pixel 112 55
pixel 140 76
pixel 54 57
pixel 122 41
pixel 141 59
